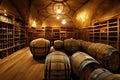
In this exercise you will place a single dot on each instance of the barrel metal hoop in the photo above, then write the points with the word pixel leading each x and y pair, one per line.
pixel 66 66
pixel 74 55
pixel 106 56
pixel 94 77
pixel 84 63
pixel 105 74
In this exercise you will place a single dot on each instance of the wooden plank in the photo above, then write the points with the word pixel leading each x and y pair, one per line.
pixel 21 66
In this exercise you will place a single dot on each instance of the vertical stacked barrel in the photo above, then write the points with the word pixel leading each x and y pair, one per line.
pixel 57 66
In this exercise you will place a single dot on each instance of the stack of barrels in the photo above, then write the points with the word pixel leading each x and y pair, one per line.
pixel 78 59
pixel 107 56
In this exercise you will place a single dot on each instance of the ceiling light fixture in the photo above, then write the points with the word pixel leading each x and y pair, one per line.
pixel 58 11
pixel 63 21
pixel 57 17
pixel 58 8
pixel 5 14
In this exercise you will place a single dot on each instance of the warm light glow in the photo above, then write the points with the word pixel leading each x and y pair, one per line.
pixel 34 24
pixel 58 11
pixel 5 14
pixel 57 17
pixel 63 21
pixel 103 30
pixel 44 24
pixel 82 16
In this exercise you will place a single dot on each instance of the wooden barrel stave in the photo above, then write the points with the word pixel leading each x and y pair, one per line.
pixel 113 77
pixel 106 55
pixel 85 45
pixel 100 51
pixel 58 44
pixel 99 74
pixel 110 57
pixel 103 74
pixel 57 66
pixel 40 47
pixel 83 65
pixel 71 45
pixel 92 49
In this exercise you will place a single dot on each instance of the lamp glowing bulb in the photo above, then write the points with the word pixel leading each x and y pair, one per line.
pixel 59 11
pixel 5 14
pixel 34 24
pixel 57 17
pixel 63 21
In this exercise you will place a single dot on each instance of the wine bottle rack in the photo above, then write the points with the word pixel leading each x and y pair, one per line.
pixel 12 36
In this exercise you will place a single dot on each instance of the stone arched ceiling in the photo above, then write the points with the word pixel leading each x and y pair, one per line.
pixel 79 13
pixel 44 9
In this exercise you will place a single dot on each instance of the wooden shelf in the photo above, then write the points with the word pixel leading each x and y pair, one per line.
pixel 10 35
pixel 54 33
pixel 107 32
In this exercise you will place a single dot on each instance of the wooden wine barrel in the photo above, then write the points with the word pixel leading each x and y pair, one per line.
pixel 106 55
pixel 39 47
pixel 52 49
pixel 103 74
pixel 83 65
pixel 92 49
pixel 58 45
pixel 57 66
pixel 113 77
pixel 71 45
pixel 80 46
pixel 85 45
